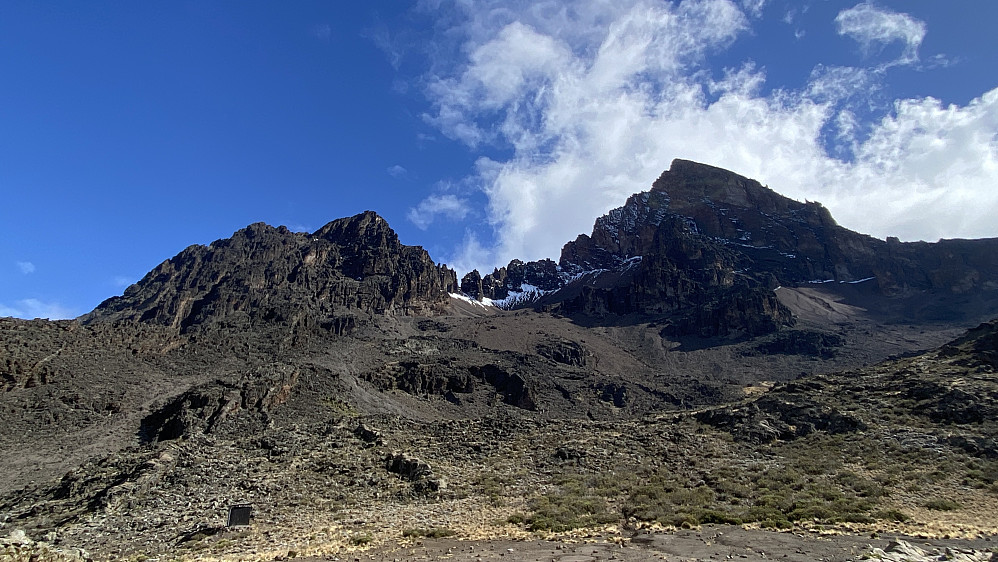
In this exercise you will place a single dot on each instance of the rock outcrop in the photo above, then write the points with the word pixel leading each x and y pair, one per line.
pixel 707 246
pixel 775 417
pixel 266 274
pixel 201 409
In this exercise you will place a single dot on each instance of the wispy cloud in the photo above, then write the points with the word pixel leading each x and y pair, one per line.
pixel 590 104
pixel 34 308
pixel 121 281
pixel 391 45
pixel 873 28
pixel 754 7
pixel 26 267
pixel 397 171
pixel 322 32
pixel 447 205
pixel 298 227
pixel 472 254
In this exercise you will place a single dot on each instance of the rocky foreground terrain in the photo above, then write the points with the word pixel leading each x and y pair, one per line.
pixel 716 371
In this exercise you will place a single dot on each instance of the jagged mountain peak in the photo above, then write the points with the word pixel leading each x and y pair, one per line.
pixel 264 273
pixel 363 227
pixel 703 235
pixel 703 245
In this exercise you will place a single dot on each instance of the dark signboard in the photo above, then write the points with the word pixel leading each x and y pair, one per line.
pixel 239 515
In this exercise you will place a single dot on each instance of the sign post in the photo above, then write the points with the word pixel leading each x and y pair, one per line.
pixel 239 515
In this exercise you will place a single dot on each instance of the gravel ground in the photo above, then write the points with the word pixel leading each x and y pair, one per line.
pixel 706 543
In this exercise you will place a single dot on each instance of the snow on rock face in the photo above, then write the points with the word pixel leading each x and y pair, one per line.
pixel 701 231
pixel 644 209
pixel 526 294
pixel 618 231
pixel 470 300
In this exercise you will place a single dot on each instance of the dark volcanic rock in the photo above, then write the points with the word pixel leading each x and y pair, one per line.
pixel 565 352
pixel 751 312
pixel 351 265
pixel 203 408
pixel 513 388
pixel 951 405
pixel 614 393
pixel 801 342
pixel 471 285
pixel 708 246
pixel 978 347
pixel 418 378
pixel 800 242
pixel 776 417
pixel 543 275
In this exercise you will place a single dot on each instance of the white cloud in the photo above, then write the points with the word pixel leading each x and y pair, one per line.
pixel 472 254
pixel 34 308
pixel 392 46
pixel 26 267
pixel 447 205
pixel 298 227
pixel 754 7
pixel 322 32
pixel 837 84
pixel 594 107
pixel 397 171
pixel 874 28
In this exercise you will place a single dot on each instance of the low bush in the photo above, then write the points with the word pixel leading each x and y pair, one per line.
pixel 430 533
pixel 942 504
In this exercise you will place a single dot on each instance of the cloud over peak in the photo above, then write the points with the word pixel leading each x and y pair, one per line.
pixel 447 205
pixel 572 112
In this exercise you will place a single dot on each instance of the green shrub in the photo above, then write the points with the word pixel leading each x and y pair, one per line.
pixel 942 504
pixel 430 533
pixel 566 510
pixel 361 540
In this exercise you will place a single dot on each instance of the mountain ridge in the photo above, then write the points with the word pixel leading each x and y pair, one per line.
pixel 701 230
pixel 353 264
pixel 340 376
pixel 704 245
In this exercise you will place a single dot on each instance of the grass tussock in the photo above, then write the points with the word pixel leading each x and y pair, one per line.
pixel 428 533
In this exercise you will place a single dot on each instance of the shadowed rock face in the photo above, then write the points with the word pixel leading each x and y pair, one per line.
pixel 800 242
pixel 263 273
pixel 708 246
pixel 704 247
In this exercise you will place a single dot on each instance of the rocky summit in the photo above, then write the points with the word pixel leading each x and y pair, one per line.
pixel 711 245
pixel 271 274
pixel 713 359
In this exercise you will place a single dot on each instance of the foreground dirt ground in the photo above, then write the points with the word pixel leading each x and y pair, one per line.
pixel 710 542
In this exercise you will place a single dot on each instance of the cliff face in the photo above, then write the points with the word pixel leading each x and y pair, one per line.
pixel 704 246
pixel 710 245
pixel 262 273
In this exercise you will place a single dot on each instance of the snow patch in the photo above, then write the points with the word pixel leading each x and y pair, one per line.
pixel 469 300
pixel 527 294
pixel 820 282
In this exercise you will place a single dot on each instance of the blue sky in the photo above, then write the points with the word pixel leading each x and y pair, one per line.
pixel 482 131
